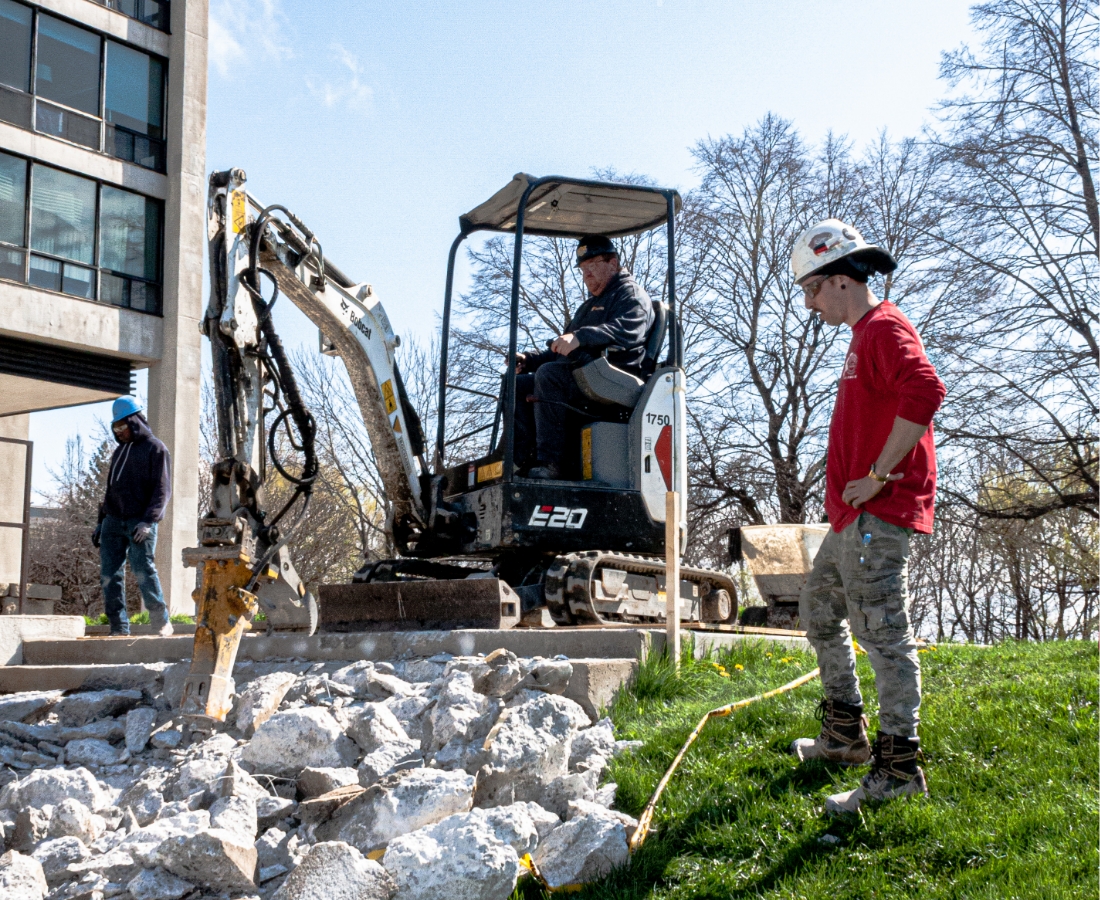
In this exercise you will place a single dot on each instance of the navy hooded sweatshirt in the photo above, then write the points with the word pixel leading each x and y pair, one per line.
pixel 139 481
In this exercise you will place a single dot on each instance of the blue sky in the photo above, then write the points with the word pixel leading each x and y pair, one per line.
pixel 380 123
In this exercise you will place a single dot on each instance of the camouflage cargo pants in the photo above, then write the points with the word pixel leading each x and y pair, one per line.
pixel 869 598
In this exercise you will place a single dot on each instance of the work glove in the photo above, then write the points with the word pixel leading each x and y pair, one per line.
pixel 142 532
pixel 96 534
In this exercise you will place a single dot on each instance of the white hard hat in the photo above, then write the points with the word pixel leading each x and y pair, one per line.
pixel 821 245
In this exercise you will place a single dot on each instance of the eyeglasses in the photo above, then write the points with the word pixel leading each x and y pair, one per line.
pixel 811 288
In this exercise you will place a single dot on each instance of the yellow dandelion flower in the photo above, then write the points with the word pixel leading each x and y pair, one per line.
pixel 739 667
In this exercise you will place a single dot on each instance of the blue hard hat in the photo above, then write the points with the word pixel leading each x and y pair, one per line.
pixel 123 407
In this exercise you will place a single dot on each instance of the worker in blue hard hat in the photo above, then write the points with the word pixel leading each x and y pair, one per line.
pixel 138 488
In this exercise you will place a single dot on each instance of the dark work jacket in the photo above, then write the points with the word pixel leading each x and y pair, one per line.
pixel 139 482
pixel 620 317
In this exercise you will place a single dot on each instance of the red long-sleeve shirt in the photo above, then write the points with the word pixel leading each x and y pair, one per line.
pixel 886 374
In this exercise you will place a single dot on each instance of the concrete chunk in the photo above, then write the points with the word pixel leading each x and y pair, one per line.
pixel 214 859
pixel 313 782
pixel 459 858
pixel 139 727
pixel 335 871
pixel 584 849
pixel 91 752
pixel 21 876
pixel 157 884
pixel 261 699
pixel 237 815
pixel 48 787
pixel 398 804
pixel 56 855
pixel 293 739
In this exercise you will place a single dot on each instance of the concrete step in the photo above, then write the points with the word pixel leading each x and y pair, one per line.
pixel 575 643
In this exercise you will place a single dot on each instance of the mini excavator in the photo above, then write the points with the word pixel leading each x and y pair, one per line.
pixel 480 546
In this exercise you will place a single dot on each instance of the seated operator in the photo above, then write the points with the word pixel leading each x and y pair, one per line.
pixel 617 313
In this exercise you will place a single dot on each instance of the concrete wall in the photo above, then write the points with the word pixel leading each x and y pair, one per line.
pixel 13 467
pixel 174 381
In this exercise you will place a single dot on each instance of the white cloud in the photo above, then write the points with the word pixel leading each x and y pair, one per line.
pixel 344 87
pixel 243 31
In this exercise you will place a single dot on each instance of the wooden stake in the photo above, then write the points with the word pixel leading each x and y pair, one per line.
pixel 672 576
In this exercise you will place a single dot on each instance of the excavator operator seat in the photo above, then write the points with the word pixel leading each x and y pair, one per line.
pixel 604 383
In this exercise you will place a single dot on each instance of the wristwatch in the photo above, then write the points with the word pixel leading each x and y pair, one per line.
pixel 881 479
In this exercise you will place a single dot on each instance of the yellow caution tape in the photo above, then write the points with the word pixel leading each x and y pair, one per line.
pixel 646 819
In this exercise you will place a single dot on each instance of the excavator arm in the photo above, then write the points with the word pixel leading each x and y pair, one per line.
pixel 257 254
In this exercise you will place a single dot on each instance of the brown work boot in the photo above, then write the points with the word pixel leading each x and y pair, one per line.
pixel 894 773
pixel 843 737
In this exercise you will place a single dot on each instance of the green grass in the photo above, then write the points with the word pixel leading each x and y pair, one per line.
pixel 141 618
pixel 1010 736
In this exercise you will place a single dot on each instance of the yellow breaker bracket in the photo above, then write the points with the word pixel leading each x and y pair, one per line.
pixel 225 611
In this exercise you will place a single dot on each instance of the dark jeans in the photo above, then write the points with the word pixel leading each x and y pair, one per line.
pixel 543 425
pixel 116 545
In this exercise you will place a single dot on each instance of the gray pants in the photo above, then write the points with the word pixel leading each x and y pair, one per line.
pixel 872 598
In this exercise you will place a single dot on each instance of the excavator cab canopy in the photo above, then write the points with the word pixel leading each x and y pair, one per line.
pixel 565 207
pixel 560 207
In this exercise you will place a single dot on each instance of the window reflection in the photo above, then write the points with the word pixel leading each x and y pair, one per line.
pixel 135 90
pixel 129 232
pixel 63 214
pixel 15 45
pixel 68 64
pixel 13 199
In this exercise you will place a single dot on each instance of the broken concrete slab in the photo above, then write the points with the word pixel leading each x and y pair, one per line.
pixel 126 676
pixel 23 706
pixel 83 707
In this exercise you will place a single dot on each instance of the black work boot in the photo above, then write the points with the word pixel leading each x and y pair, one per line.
pixel 894 773
pixel 843 737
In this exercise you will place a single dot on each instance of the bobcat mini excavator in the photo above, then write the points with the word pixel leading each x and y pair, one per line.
pixel 479 545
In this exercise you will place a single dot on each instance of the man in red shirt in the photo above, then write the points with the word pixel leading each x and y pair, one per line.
pixel 880 487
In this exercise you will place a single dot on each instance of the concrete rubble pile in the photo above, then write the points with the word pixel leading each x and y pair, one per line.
pixel 446 776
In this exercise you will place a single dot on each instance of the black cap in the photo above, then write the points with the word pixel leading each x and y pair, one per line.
pixel 592 245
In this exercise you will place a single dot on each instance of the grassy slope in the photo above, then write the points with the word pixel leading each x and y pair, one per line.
pixel 1010 738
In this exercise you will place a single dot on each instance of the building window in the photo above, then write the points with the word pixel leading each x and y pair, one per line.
pixel 86 239
pixel 134 106
pixel 86 89
pixel 152 12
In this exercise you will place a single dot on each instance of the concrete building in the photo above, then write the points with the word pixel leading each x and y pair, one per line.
pixel 102 231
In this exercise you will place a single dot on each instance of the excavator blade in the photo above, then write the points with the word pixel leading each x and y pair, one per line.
pixel 428 605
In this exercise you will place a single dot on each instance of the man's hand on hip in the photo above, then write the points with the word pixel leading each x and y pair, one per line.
pixel 858 492
pixel 565 344
pixel 142 532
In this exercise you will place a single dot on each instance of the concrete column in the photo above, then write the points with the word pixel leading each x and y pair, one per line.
pixel 174 382
pixel 13 469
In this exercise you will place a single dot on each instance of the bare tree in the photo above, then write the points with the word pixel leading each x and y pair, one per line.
pixel 1018 233
pixel 61 551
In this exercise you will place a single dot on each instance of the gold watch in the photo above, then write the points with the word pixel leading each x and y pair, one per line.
pixel 881 479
